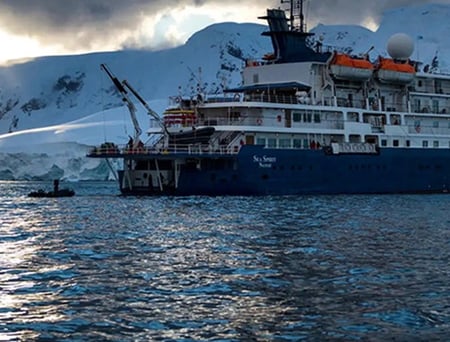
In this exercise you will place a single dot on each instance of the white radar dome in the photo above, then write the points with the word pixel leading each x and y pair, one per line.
pixel 400 46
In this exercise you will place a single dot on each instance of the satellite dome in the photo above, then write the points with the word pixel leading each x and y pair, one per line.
pixel 400 46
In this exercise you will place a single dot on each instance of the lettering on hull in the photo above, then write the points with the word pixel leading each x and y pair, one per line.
pixel 264 161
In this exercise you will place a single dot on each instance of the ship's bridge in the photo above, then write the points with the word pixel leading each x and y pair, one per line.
pixel 283 92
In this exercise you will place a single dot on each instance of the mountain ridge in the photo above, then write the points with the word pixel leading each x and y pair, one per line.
pixel 58 89
pixel 67 102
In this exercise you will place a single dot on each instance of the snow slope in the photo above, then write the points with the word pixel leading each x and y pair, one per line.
pixel 53 108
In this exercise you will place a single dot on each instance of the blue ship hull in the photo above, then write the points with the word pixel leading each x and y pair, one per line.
pixel 261 171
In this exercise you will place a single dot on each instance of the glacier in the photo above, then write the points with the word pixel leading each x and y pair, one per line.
pixel 59 151
pixel 54 109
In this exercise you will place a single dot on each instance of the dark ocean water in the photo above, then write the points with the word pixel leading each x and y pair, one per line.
pixel 101 267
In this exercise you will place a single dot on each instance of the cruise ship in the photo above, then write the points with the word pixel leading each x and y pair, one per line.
pixel 306 120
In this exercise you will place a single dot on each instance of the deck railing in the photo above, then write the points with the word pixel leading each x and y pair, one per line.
pixel 360 103
pixel 197 149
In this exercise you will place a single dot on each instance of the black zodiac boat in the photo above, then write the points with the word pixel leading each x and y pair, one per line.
pixel 55 193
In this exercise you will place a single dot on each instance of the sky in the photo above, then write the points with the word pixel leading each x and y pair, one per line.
pixel 30 28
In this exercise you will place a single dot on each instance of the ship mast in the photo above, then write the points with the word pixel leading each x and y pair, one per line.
pixel 296 14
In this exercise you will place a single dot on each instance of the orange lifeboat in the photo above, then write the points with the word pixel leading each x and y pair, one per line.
pixel 391 71
pixel 347 67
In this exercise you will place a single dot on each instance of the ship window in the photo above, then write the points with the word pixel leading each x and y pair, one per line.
pixel 317 118
pixel 353 116
pixel 435 106
pixel 297 116
pixel 417 126
pixel 416 105
pixel 305 143
pixel 395 143
pixel 307 117
pixel 438 87
pixel 271 142
pixel 408 143
pixel 383 142
pixel 395 120
pixel 435 143
pixel 425 143
pixel 285 143
pixel 235 116
pixel 297 143
pixel 419 84
pixel 261 141
pixel 435 124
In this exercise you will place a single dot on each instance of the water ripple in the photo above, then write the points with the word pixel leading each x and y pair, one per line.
pixel 100 267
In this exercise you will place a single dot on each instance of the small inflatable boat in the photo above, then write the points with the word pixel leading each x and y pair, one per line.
pixel 59 193
pixel 55 193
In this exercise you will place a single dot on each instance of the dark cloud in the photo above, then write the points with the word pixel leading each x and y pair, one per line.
pixel 85 24
pixel 34 16
pixel 76 23
pixel 356 11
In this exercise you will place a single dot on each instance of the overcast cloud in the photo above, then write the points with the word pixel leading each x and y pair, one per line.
pixel 90 23
pixel 356 11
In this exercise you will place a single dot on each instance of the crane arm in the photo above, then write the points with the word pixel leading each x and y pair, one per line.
pixel 127 100
pixel 150 111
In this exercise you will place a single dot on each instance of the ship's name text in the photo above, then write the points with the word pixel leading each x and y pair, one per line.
pixel 264 161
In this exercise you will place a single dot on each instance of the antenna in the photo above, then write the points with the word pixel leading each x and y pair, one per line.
pixel 296 13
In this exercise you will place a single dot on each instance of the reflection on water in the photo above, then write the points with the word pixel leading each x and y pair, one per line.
pixel 99 266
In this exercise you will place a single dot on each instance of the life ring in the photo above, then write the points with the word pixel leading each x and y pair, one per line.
pixel 259 122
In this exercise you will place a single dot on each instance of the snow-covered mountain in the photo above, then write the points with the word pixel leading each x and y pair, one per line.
pixel 55 90
pixel 53 108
